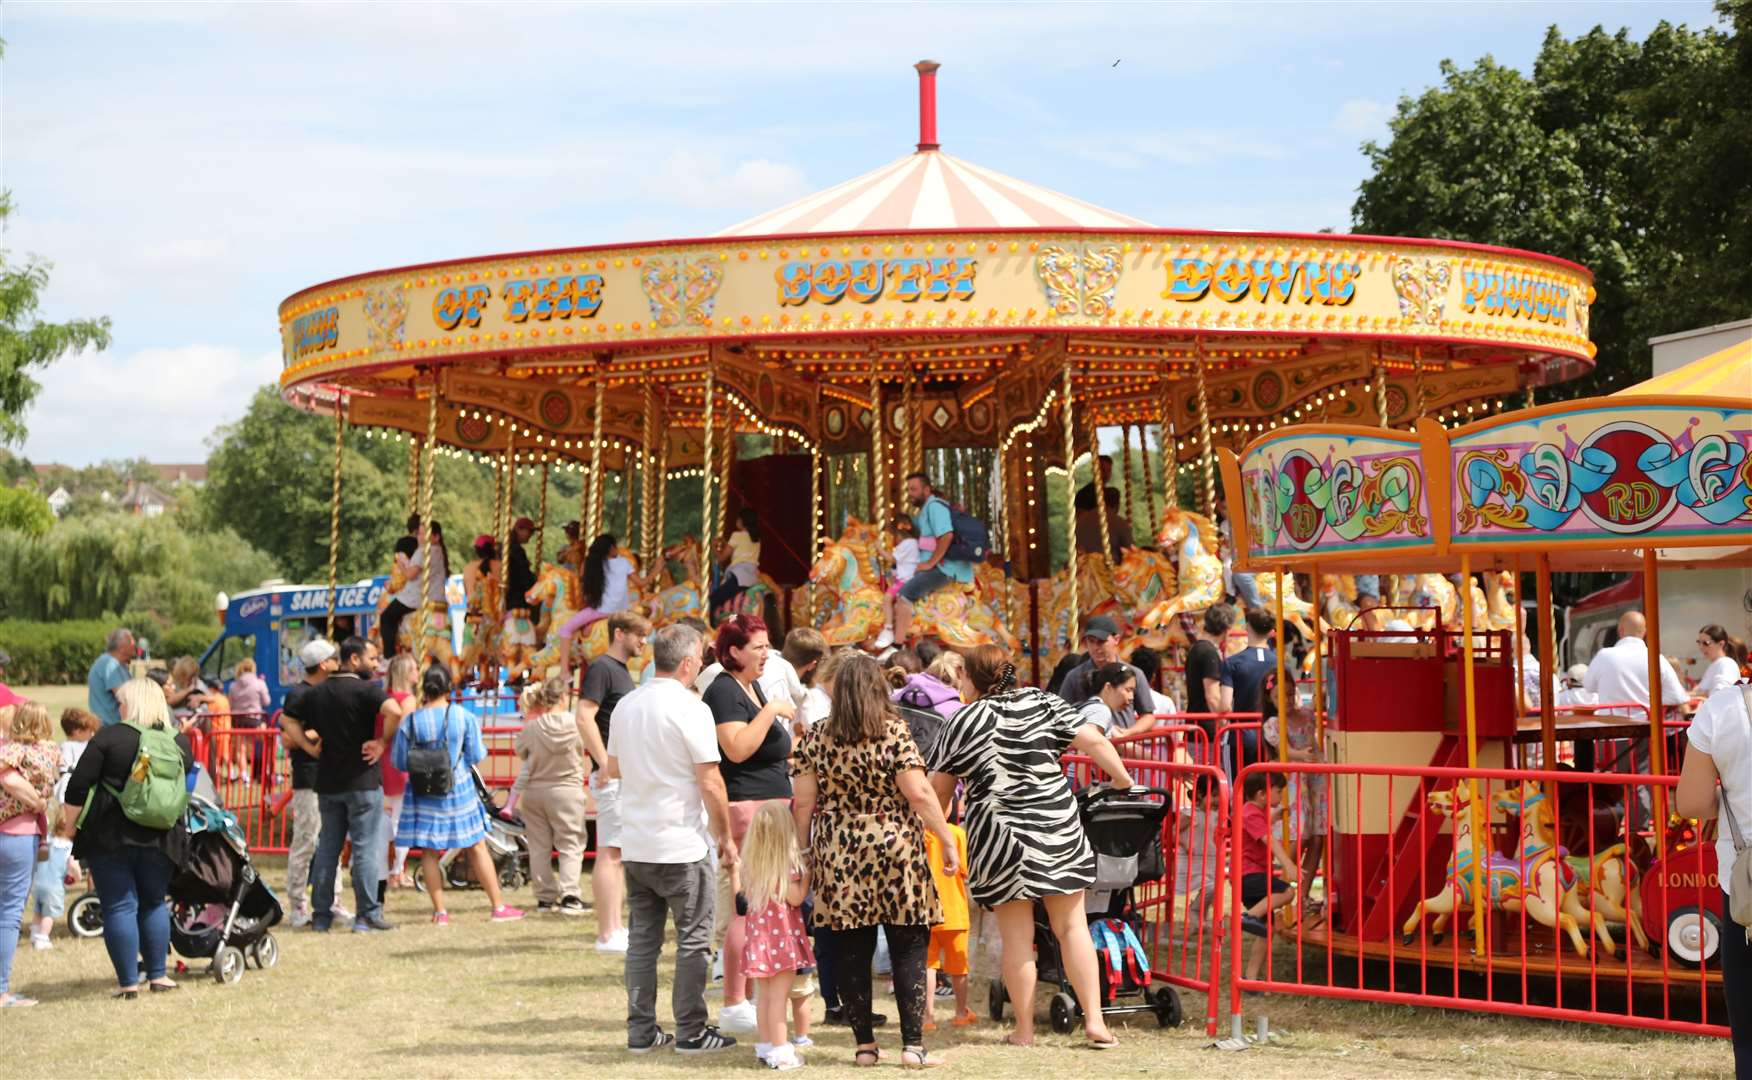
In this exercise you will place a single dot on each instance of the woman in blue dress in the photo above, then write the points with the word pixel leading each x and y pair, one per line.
pixel 457 819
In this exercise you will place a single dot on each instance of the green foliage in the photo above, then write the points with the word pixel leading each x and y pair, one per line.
pixel 270 477
pixel 1628 157
pixel 23 510
pixel 26 342
pixel 95 566
pixel 52 653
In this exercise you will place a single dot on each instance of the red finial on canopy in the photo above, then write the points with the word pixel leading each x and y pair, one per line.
pixel 927 70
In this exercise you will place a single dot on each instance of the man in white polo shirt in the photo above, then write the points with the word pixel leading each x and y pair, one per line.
pixel 663 745
pixel 1620 673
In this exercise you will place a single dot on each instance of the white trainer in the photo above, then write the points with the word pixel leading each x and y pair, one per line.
pixel 737 1019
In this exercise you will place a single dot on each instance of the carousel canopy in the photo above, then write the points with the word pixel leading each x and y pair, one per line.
pixel 927 305
pixel 929 189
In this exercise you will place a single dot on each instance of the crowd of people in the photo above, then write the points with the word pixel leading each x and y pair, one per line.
pixel 807 821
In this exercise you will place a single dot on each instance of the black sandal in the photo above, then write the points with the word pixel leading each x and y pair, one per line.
pixel 874 1054
pixel 126 995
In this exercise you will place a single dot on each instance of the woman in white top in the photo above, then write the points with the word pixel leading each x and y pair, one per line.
pixel 1725 656
pixel 1721 748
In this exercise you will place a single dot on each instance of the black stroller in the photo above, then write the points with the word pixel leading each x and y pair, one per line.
pixel 1125 829
pixel 221 909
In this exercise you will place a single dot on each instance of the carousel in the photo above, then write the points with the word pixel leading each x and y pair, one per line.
pixel 1471 762
pixel 931 315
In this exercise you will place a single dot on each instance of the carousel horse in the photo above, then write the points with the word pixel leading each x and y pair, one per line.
pixel 850 597
pixel 1554 898
pixel 1297 611
pixel 953 614
pixel 674 599
pixel 558 587
pixel 1431 591
pixel 1456 890
pixel 1194 538
pixel 1499 593
pixel 483 627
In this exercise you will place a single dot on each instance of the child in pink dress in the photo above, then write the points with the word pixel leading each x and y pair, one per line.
pixel 774 882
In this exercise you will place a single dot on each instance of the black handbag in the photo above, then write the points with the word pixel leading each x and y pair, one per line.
pixel 429 769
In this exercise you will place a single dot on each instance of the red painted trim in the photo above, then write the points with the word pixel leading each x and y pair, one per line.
pixel 1325 240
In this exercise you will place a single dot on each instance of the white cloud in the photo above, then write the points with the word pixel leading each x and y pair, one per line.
pixel 1362 117
pixel 161 403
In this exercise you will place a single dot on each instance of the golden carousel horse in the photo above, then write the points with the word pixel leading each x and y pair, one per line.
pixel 483 626
pixel 559 588
pixel 1297 611
pixel 675 598
pixel 1193 537
pixel 954 614
pixel 1499 599
pixel 847 588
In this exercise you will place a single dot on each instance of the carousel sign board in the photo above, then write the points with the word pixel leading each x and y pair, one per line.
pixel 1614 472
pixel 1231 283
pixel 1331 492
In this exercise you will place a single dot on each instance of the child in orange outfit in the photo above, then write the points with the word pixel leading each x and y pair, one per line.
pixel 948 949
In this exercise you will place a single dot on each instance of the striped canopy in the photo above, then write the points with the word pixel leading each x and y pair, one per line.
pixel 1727 373
pixel 931 190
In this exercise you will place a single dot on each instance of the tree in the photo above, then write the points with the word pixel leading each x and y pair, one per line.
pixel 27 342
pixel 25 511
pixel 1628 157
pixel 270 477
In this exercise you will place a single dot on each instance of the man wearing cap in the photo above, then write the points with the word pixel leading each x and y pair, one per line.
pixel 1101 642
pixel 317 658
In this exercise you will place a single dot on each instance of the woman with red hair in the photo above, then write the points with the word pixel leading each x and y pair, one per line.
pixel 755 740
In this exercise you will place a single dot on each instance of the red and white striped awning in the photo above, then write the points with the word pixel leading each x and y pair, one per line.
pixel 931 190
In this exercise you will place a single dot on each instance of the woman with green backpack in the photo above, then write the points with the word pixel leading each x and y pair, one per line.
pixel 126 799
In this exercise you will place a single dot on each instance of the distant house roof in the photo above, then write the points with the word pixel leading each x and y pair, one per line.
pixel 192 473
pixel 141 496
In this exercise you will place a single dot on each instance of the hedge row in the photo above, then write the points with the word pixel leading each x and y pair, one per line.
pixel 62 652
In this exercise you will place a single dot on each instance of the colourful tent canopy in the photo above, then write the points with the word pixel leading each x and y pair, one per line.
pixel 1726 373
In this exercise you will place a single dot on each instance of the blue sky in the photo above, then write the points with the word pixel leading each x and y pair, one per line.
pixel 186 167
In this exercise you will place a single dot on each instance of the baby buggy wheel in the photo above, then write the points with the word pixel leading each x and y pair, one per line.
pixel 228 965
pixel 85 916
pixel 265 953
pixel 1167 1002
pixel 995 999
pixel 1064 1013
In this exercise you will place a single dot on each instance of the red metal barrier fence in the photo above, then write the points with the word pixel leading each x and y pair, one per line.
pixel 1398 887
pixel 1180 908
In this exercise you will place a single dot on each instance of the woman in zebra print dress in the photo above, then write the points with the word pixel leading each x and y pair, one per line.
pixel 1025 841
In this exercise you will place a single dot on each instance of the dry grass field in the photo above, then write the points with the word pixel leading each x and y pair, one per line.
pixel 533 999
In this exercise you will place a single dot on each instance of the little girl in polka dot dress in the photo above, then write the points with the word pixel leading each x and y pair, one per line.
pixel 774 882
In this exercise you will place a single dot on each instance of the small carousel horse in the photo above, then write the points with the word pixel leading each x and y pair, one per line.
pixel 557 588
pixel 1456 891
pixel 1556 896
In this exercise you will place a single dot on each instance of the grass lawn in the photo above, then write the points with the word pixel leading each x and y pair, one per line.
pixel 55 698
pixel 533 999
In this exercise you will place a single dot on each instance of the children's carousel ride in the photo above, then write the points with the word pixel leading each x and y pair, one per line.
pixel 932 315
pixel 1656 476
